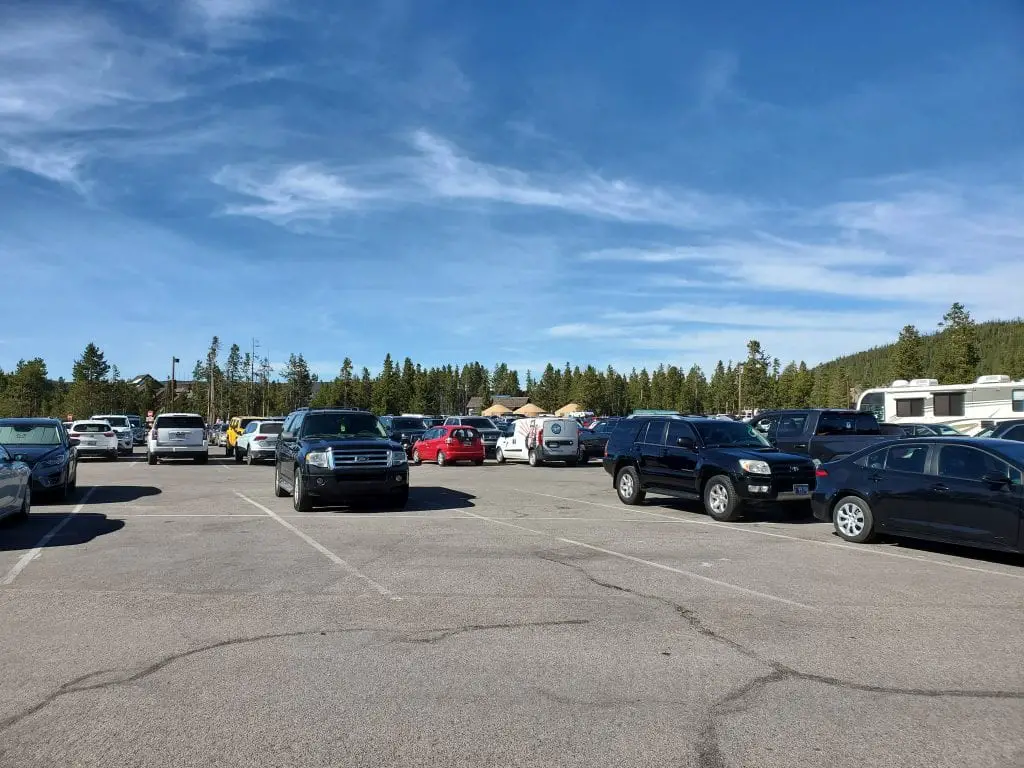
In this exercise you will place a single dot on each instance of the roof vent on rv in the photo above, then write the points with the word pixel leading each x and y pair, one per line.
pixel 924 382
pixel 995 378
pixel 901 383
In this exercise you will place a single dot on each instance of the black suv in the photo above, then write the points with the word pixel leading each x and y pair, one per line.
pixel 404 429
pixel 327 455
pixel 724 463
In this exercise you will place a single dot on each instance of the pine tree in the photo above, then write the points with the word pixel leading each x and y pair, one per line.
pixel 26 389
pixel 802 386
pixel 234 382
pixel 906 360
pixel 957 355
pixel 838 389
pixel 298 382
pixel 755 378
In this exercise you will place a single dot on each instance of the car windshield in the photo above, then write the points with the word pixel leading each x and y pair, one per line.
pixel 986 432
pixel 135 421
pixel 480 423
pixel 29 434
pixel 116 421
pixel 342 425
pixel 731 434
pixel 945 429
pixel 407 423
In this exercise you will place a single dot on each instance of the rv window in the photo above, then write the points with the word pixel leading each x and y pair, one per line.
pixel 1017 399
pixel 948 404
pixel 910 407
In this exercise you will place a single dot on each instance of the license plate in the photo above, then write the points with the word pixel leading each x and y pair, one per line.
pixel 801 490
pixel 88 442
pixel 467 442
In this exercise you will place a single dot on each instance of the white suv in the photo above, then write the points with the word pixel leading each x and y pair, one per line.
pixel 122 427
pixel 178 436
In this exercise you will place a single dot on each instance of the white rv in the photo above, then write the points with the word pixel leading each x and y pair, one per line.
pixel 925 401
pixel 539 440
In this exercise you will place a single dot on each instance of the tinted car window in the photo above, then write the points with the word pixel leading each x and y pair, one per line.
pixel 791 425
pixel 407 423
pixel 963 463
pixel 342 425
pixel 834 423
pixel 1017 433
pixel 270 428
pixel 678 429
pixel 479 423
pixel 92 427
pixel 655 433
pixel 907 458
pixel 180 422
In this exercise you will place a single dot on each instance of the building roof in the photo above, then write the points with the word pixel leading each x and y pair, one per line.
pixel 510 402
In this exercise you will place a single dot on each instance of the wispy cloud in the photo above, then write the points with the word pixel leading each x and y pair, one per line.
pixel 439 172
pixel 227 21
pixel 61 166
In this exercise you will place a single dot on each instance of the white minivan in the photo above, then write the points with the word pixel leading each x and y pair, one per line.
pixel 540 440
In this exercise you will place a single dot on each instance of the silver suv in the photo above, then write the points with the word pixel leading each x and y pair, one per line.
pixel 178 436
pixel 122 428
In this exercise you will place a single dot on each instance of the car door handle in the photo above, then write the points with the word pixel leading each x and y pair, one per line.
pixel 877 478
pixel 800 446
pixel 940 488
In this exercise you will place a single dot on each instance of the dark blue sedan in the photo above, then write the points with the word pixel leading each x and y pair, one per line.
pixel 44 445
pixel 959 490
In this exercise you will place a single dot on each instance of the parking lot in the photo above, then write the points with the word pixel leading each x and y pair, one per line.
pixel 182 615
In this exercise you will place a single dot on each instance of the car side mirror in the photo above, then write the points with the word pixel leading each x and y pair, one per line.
pixel 287 436
pixel 686 442
pixel 73 441
pixel 995 478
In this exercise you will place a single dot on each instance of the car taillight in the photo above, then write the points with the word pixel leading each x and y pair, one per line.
pixel 153 434
pixel 76 434
pixel 540 437
pixel 820 472
pixel 260 437
pixel 108 434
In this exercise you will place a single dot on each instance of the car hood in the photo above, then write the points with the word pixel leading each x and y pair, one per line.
pixel 30 454
pixel 355 445
pixel 771 457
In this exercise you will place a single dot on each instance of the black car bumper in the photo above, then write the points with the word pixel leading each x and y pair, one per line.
pixel 821 506
pixel 347 485
pixel 778 489
pixel 48 478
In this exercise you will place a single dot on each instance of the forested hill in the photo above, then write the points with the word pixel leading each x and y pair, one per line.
pixel 1000 349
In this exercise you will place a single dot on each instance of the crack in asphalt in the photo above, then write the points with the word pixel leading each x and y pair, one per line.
pixel 708 751
pixel 428 636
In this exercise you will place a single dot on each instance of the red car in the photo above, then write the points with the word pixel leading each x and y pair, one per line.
pixel 449 444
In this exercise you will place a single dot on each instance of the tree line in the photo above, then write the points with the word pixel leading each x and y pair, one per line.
pixel 236 383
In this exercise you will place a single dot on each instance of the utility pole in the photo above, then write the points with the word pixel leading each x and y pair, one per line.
pixel 739 381
pixel 173 390
pixel 252 375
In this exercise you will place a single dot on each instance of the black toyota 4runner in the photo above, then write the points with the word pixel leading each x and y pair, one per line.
pixel 724 463
pixel 327 455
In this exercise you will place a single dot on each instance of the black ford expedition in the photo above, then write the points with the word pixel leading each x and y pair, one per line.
pixel 822 434
pixel 725 463
pixel 327 455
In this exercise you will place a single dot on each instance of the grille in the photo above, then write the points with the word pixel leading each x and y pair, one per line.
pixel 370 458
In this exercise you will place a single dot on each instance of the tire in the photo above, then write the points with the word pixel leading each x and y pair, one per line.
pixel 853 520
pixel 628 486
pixel 300 499
pixel 478 462
pixel 721 501
pixel 150 458
pixel 535 459
pixel 278 490
pixel 73 480
pixel 26 503
pixel 238 456
pixel 499 456
pixel 442 460
pixel 249 460
pixel 416 458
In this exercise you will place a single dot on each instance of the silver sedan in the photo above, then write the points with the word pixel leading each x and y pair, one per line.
pixel 15 486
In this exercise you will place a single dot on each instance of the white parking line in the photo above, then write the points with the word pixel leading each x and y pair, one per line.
pixel 322 549
pixel 861 549
pixel 33 553
pixel 649 563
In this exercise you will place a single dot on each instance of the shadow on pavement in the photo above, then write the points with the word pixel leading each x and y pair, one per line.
pixel 920 546
pixel 80 529
pixel 118 494
pixel 792 514
pixel 422 499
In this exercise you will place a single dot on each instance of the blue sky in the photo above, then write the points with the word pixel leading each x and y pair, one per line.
pixel 600 182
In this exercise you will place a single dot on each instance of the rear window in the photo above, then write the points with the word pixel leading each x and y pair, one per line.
pixel 243 423
pixel 271 428
pixel 848 423
pixel 116 421
pixel 93 426
pixel 465 433
pixel 478 423
pixel 180 422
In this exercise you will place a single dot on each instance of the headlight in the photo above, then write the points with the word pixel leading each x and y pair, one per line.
pixel 755 467
pixel 396 458
pixel 320 459
pixel 56 461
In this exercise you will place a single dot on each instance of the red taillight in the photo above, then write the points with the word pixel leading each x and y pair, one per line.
pixel 259 437
pixel 75 434
pixel 820 472
pixel 108 434
pixel 540 437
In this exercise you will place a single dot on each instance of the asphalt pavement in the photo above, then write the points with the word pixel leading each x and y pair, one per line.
pixel 182 615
